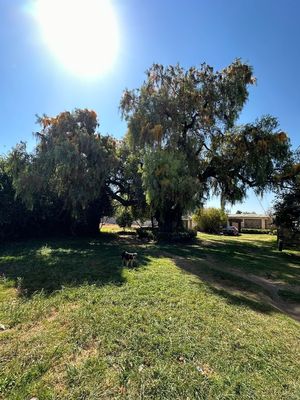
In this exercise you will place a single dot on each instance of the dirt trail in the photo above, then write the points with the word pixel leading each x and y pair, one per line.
pixel 271 288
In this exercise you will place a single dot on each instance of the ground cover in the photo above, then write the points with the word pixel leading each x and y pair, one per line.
pixel 183 324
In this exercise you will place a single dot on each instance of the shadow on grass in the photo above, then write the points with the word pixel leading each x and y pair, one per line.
pixel 239 299
pixel 234 289
pixel 214 262
pixel 49 265
pixel 259 258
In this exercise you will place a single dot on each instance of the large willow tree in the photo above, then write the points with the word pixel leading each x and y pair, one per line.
pixel 184 123
pixel 69 168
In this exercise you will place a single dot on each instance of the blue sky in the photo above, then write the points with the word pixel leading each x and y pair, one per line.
pixel 264 33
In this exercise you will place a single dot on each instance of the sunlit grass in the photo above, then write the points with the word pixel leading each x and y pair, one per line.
pixel 80 326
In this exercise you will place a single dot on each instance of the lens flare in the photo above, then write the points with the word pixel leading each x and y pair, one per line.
pixel 82 34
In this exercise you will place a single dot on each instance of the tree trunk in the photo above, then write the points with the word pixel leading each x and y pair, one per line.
pixel 170 220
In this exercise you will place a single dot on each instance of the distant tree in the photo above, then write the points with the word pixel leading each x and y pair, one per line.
pixel 124 218
pixel 210 220
pixel 126 181
pixel 188 117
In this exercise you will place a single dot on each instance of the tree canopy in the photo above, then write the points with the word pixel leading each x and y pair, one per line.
pixel 183 144
pixel 70 163
pixel 191 116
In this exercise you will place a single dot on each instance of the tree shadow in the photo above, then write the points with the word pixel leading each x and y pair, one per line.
pixel 250 257
pixel 215 262
pixel 234 289
pixel 50 265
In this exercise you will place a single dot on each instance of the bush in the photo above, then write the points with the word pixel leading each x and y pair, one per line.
pixel 170 237
pixel 176 237
pixel 145 233
pixel 254 230
pixel 210 220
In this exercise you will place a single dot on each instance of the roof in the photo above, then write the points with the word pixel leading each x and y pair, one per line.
pixel 248 216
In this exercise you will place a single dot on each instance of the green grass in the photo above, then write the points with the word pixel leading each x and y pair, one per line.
pixel 80 326
pixel 250 253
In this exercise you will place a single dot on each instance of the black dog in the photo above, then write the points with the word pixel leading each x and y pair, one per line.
pixel 128 258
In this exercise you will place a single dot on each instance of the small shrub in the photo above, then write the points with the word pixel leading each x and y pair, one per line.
pixel 145 234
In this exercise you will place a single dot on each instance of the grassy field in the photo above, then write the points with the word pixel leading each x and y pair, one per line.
pixel 186 323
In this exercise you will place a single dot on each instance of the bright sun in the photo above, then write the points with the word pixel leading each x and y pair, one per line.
pixel 82 34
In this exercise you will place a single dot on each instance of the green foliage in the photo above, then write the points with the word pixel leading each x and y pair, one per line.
pixel 13 214
pixel 287 207
pixel 124 218
pixel 253 155
pixel 186 236
pixel 169 187
pixel 17 221
pixel 126 177
pixel 154 332
pixel 144 233
pixel 210 220
pixel 69 167
pixel 190 116
pixel 258 231
pixel 182 145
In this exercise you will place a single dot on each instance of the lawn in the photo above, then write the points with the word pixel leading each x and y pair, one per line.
pixel 183 324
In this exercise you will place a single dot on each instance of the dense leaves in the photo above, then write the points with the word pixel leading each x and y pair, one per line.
pixel 183 144
pixel 170 188
pixel 17 220
pixel 192 115
pixel 210 220
pixel 287 206
pixel 69 167
pixel 124 218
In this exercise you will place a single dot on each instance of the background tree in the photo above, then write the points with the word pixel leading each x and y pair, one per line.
pixel 287 203
pixel 287 209
pixel 210 220
pixel 126 181
pixel 124 217
pixel 13 213
pixel 17 220
pixel 70 163
pixel 193 113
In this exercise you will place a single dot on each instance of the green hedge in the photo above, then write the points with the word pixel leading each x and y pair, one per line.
pixel 174 237
pixel 262 231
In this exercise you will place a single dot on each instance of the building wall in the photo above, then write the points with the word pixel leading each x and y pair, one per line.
pixel 268 223
pixel 188 223
pixel 253 223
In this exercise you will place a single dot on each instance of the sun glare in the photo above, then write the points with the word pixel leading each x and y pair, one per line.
pixel 82 34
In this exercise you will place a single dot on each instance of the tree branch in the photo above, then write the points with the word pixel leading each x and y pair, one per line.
pixel 115 196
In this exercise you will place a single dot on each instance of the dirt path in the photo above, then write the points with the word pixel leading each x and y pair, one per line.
pixel 205 268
